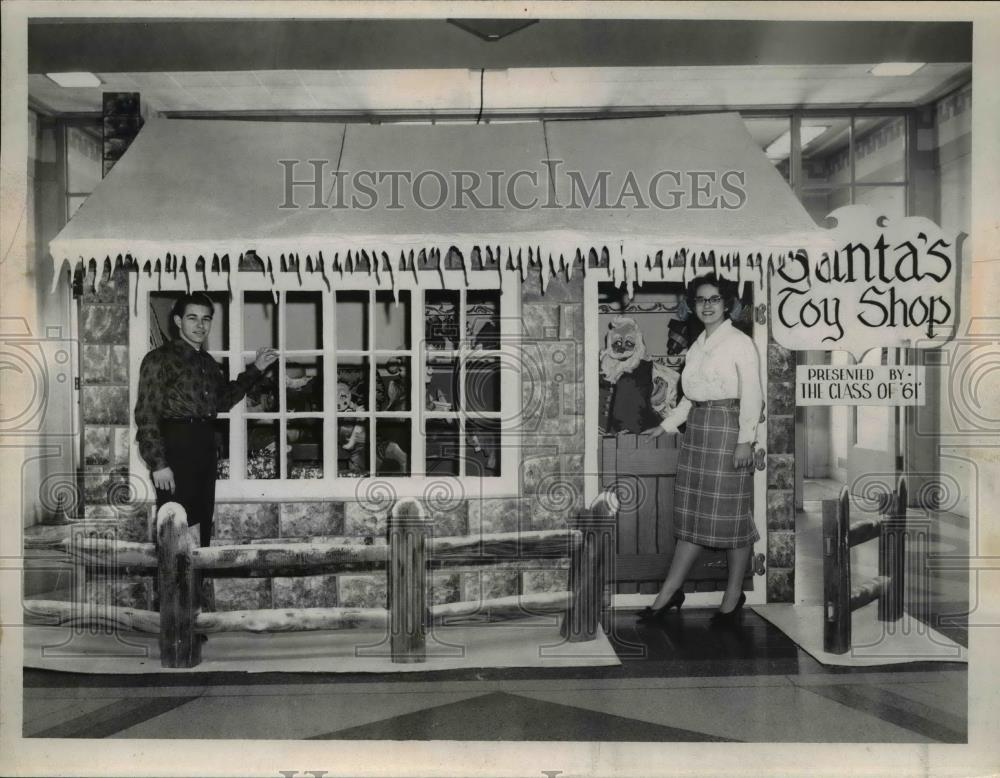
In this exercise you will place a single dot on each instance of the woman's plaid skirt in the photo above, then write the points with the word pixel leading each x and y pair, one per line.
pixel 713 501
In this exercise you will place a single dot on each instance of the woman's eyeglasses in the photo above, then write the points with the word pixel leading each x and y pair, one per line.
pixel 713 300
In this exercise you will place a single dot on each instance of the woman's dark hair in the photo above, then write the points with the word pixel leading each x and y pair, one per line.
pixel 727 290
pixel 181 305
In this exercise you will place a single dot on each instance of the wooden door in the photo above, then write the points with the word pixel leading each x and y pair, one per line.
pixel 641 469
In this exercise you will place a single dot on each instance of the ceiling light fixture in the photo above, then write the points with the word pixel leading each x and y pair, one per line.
pixel 781 146
pixel 75 80
pixel 896 68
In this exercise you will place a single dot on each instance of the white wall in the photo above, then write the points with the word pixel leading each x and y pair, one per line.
pixel 45 323
pixel 952 145
pixel 840 426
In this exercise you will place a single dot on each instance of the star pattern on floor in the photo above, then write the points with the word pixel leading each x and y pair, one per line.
pixel 504 716
pixel 688 683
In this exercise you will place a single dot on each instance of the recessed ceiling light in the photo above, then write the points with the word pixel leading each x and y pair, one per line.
pixel 781 146
pixel 75 80
pixel 896 68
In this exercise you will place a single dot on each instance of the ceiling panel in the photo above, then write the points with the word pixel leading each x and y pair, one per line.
pixel 518 89
pixel 124 45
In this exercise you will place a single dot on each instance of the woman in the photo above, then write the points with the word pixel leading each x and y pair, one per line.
pixel 712 491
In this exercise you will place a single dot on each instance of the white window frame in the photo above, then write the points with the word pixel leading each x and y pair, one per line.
pixel 331 486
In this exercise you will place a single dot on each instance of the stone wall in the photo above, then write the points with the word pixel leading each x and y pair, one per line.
pixel 552 395
pixel 780 472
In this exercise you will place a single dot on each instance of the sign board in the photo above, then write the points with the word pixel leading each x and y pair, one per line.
pixel 860 385
pixel 888 283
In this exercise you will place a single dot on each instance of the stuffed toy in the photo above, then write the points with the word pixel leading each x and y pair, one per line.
pixel 391 392
pixel 635 392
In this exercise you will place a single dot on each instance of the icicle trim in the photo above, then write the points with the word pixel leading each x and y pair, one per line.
pixel 627 262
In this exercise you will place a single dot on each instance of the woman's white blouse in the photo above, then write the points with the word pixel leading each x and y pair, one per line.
pixel 721 367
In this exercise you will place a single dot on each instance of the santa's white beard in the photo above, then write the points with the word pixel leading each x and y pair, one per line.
pixel 612 369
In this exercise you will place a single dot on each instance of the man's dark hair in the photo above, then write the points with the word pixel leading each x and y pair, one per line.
pixel 196 298
pixel 181 306
pixel 727 290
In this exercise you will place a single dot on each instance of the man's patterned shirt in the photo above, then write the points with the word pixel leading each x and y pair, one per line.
pixel 178 381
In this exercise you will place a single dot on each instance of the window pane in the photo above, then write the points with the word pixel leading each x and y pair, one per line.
pixel 441 319
pixel 304 321
pixel 820 203
pixel 441 385
pixel 352 448
pixel 222 448
pixel 305 448
pixel 218 338
pixel 262 397
pixel 392 390
pixel 441 452
pixel 304 384
pixel 482 447
pixel 392 447
pixel 392 321
pixel 825 150
pixel 887 200
pixel 83 157
pixel 161 328
pixel 879 149
pixel 352 384
pixel 772 136
pixel 352 321
pixel 260 321
pixel 482 385
pixel 262 449
pixel 482 318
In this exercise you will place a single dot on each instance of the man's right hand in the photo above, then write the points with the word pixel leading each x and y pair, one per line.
pixel 163 479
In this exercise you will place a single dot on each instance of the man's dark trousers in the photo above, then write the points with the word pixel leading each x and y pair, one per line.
pixel 190 450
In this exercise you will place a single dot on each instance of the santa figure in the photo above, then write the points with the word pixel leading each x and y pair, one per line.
pixel 635 392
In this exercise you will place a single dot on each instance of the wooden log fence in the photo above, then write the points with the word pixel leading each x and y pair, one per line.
pixel 840 534
pixel 180 645
pixel 410 553
pixel 590 571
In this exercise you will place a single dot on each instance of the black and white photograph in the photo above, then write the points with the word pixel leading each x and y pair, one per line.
pixel 563 389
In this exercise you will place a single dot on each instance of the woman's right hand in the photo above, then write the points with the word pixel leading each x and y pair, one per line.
pixel 163 479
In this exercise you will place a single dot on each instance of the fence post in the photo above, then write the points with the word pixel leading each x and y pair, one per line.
pixel 590 571
pixel 836 575
pixel 179 644
pixel 407 582
pixel 892 556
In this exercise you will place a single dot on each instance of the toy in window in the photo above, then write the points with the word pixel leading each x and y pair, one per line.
pixel 392 389
pixel 441 320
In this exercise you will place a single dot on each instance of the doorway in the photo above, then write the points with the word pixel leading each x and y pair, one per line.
pixel 641 469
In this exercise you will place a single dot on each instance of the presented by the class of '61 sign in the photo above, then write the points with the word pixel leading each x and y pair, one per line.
pixel 860 385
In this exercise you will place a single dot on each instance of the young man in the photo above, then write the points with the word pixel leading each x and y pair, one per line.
pixel 181 389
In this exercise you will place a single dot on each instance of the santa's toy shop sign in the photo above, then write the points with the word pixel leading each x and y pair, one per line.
pixel 886 283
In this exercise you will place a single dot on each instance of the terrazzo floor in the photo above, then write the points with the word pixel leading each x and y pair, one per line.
pixel 678 680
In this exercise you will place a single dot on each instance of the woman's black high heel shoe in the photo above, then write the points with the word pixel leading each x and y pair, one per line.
pixel 652 614
pixel 720 619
